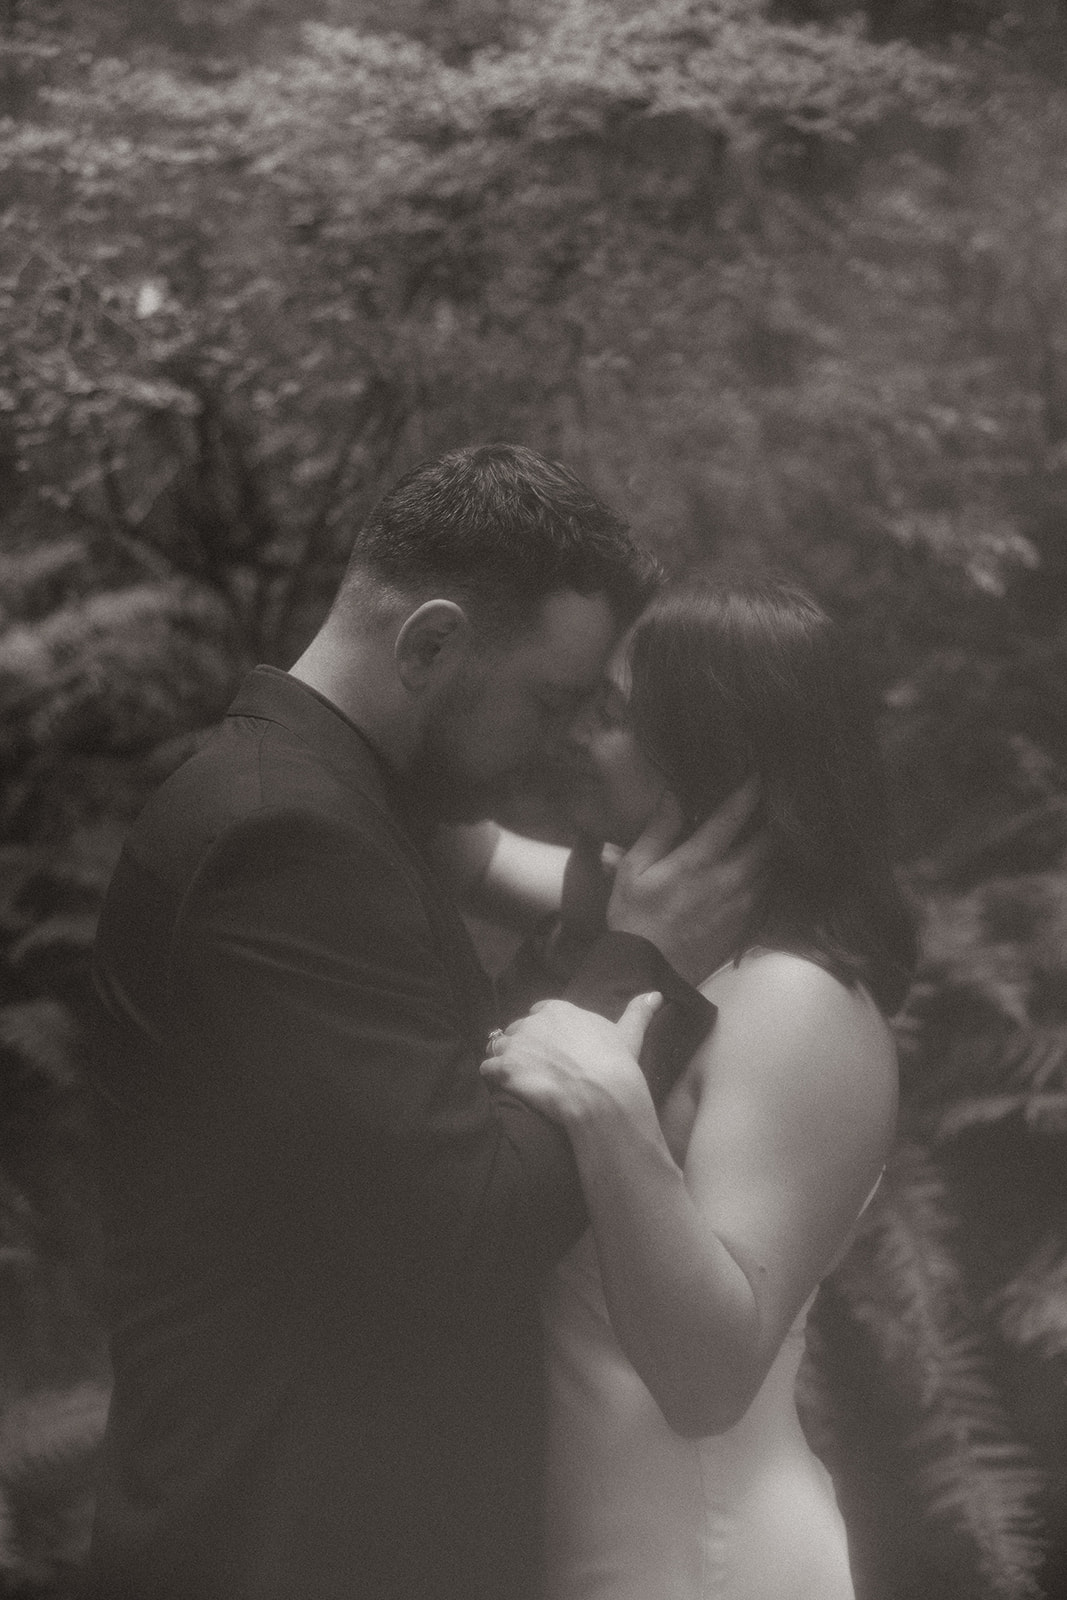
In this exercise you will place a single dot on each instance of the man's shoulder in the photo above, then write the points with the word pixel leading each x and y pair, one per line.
pixel 252 774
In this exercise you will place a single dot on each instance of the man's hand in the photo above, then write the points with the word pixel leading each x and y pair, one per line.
pixel 691 899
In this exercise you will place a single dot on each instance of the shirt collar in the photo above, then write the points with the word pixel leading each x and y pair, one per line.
pixel 272 695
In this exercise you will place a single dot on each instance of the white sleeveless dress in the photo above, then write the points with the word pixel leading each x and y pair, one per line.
pixel 637 1512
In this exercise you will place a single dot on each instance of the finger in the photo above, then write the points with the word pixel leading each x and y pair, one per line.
pixel 743 871
pixel 717 833
pixel 661 832
pixel 750 858
pixel 635 1020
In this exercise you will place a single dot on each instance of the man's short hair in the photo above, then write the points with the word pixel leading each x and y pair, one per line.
pixel 498 529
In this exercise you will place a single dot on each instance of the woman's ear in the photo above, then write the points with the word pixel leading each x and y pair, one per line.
pixel 432 644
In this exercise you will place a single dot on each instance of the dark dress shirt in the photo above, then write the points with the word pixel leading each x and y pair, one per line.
pixel 323 1234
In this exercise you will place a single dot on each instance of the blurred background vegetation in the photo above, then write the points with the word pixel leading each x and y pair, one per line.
pixel 785 281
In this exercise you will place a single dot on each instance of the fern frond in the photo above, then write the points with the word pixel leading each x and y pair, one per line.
pixel 994 962
pixel 991 1060
pixel 46 879
pixel 905 1287
pixel 54 956
pixel 978 849
pixel 48 1444
pixel 1031 1309
pixel 1037 1059
pixel 1041 1113
pixel 70 930
pixel 18 863
pixel 38 1037
pixel 43 1430
pixel 962 956
pixel 987 1488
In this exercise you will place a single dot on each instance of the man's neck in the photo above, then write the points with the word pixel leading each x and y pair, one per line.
pixel 358 683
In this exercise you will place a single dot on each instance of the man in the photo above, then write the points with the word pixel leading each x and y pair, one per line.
pixel 324 1234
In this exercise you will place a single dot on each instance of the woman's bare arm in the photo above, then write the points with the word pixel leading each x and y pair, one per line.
pixel 498 874
pixel 705 1266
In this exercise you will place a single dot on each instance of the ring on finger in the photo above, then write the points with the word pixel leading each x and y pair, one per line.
pixel 494 1041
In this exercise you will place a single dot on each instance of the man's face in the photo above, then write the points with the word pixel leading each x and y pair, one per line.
pixel 505 721
pixel 615 788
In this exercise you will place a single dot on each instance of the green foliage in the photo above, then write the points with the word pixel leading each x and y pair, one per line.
pixel 787 289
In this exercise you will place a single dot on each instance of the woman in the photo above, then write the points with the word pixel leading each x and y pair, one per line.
pixel 678 1469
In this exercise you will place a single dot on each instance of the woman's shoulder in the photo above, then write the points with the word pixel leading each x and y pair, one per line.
pixel 787 1018
pixel 778 978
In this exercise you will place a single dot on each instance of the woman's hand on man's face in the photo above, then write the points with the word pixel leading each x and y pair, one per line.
pixel 563 1060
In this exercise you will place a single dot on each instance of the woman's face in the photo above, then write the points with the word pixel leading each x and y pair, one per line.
pixel 616 788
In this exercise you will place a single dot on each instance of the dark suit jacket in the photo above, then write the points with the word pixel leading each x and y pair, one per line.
pixel 323 1234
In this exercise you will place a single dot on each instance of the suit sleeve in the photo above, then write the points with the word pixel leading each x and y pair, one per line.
pixel 621 965
pixel 611 970
pixel 304 978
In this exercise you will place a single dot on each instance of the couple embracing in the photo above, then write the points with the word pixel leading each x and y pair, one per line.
pixel 412 1300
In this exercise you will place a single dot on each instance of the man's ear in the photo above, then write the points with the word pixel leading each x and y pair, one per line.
pixel 432 644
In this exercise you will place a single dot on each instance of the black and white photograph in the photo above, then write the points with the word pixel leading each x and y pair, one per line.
pixel 533 821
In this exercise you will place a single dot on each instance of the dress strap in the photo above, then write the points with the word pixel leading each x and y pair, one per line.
pixel 874 1190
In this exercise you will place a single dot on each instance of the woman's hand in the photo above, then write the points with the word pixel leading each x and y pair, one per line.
pixel 692 894
pixel 563 1060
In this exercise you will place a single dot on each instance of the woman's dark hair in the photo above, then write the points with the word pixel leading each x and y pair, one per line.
pixel 743 679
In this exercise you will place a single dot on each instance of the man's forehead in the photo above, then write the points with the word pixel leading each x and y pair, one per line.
pixel 573 639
